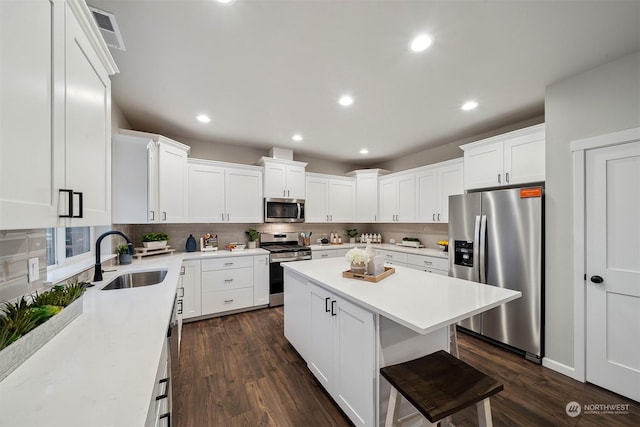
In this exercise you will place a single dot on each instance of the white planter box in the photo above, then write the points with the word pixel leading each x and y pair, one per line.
pixel 155 245
pixel 16 353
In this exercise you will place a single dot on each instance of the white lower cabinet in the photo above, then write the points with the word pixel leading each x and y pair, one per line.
pixel 393 258
pixel 429 264
pixel 159 406
pixel 261 280
pixel 342 353
pixel 296 312
pixel 191 283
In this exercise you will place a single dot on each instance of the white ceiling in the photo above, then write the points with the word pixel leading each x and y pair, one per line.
pixel 264 70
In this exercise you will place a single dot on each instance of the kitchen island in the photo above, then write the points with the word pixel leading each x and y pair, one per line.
pixel 347 329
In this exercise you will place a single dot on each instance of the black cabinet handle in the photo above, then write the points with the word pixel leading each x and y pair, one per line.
pixel 180 305
pixel 326 306
pixel 167 416
pixel 333 306
pixel 69 203
pixel 80 206
pixel 597 279
pixel 166 389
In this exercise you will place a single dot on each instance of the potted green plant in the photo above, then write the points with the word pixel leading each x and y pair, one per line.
pixel 124 257
pixel 154 240
pixel 352 233
pixel 253 236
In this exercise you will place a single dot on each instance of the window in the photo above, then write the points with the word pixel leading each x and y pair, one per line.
pixel 68 244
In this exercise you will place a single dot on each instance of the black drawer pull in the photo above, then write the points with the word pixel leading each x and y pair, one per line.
pixel 166 389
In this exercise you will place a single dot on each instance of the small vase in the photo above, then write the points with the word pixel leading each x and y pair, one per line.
pixel 352 239
pixel 191 243
pixel 125 259
pixel 358 268
pixel 251 244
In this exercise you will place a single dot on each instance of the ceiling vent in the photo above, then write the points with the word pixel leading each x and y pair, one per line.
pixel 108 28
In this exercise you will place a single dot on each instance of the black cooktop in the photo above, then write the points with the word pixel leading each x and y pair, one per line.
pixel 277 248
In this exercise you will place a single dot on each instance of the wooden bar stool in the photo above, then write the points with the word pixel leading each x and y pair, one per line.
pixel 438 385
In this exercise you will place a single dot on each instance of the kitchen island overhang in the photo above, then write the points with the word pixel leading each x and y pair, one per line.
pixel 407 315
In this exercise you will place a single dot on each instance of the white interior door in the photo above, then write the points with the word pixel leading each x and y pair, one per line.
pixel 613 268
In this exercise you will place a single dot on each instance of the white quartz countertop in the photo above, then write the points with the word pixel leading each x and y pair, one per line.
pixel 100 369
pixel 439 253
pixel 420 301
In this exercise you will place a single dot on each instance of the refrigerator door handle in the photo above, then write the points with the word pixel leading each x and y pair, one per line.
pixel 483 249
pixel 476 248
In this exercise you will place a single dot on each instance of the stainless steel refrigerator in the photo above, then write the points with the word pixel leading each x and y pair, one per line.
pixel 496 237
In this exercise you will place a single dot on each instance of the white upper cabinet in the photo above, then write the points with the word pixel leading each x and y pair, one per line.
pixel 329 198
pixel 367 195
pixel 150 178
pixel 397 198
pixel 26 116
pixel 223 192
pixel 516 157
pixel 434 185
pixel 54 117
pixel 283 178
pixel 172 181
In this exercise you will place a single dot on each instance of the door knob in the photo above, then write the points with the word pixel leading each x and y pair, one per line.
pixel 597 279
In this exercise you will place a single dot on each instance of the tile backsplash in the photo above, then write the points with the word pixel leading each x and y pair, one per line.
pixel 429 234
pixel 16 248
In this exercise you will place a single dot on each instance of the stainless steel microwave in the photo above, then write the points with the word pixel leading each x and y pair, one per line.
pixel 283 210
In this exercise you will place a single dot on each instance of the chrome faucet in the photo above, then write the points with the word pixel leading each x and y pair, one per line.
pixel 97 274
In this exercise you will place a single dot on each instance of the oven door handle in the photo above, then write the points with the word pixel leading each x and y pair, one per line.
pixel 290 259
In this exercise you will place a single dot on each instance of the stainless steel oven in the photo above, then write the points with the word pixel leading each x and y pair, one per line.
pixel 282 247
pixel 283 210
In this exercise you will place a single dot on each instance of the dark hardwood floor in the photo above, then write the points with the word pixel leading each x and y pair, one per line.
pixel 239 370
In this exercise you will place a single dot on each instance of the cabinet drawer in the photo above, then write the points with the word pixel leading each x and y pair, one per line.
pixel 216 302
pixel 323 254
pixel 389 256
pixel 227 263
pixel 424 261
pixel 222 280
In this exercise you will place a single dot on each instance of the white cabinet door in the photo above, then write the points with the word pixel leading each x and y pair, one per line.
pixel 275 179
pixel 295 182
pixel 450 182
pixel 206 193
pixel 261 280
pixel 153 202
pixel 87 128
pixel 26 117
pixel 388 199
pixel 315 207
pixel 173 178
pixel 524 160
pixel 192 284
pixel 296 313
pixel 427 195
pixel 366 197
pixel 243 195
pixel 341 201
pixel 483 166
pixel 320 356
pixel 406 199
pixel 354 362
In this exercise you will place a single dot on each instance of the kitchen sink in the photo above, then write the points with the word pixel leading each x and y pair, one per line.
pixel 136 279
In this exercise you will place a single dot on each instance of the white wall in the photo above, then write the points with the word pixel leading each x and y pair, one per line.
pixel 601 100
pixel 450 150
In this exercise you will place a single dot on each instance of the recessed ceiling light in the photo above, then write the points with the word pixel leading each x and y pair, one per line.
pixel 469 105
pixel 364 151
pixel 225 1
pixel 345 100
pixel 203 118
pixel 297 137
pixel 420 43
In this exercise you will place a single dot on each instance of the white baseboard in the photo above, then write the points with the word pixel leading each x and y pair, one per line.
pixel 560 367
